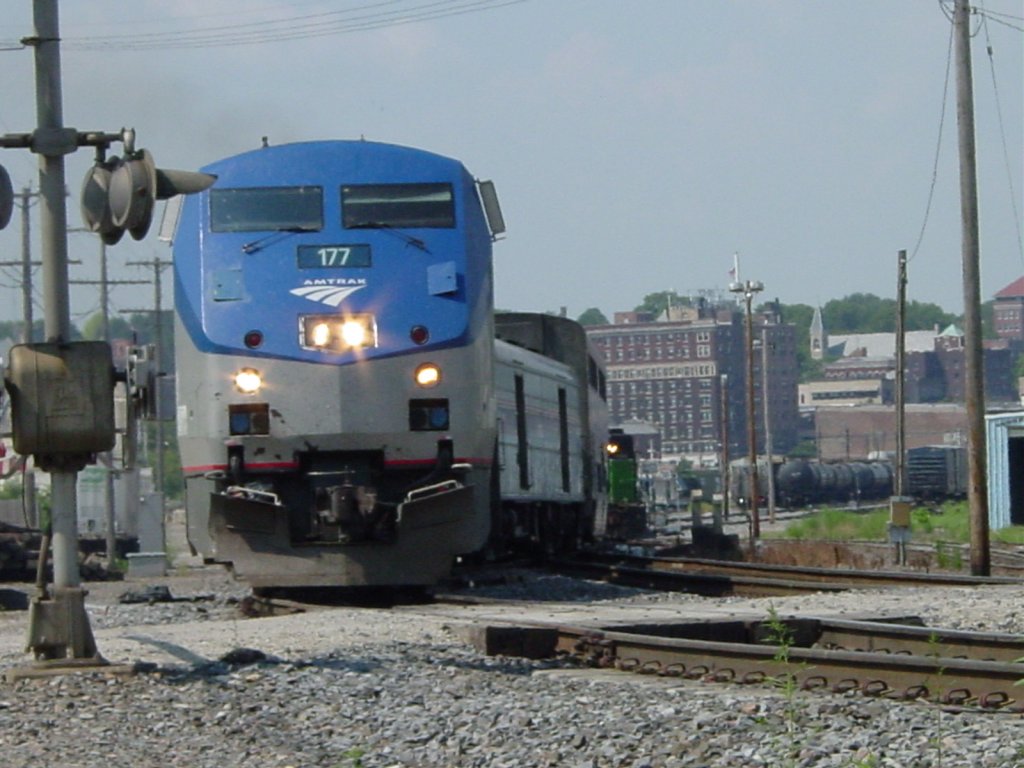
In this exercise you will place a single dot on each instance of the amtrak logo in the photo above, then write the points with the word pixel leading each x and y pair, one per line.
pixel 331 291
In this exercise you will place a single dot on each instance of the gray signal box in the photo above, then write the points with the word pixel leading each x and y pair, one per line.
pixel 62 399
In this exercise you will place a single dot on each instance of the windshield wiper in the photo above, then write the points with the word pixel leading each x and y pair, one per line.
pixel 404 236
pixel 278 234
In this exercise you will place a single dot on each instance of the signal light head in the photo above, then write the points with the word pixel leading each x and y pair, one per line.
pixel 133 194
pixel 121 194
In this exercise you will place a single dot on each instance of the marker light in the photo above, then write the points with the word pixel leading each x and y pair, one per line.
pixel 428 375
pixel 337 333
pixel 613 448
pixel 248 381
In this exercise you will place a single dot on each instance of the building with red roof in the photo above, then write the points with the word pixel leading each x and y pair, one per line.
pixel 1008 313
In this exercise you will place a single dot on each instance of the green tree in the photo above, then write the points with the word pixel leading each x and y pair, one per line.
pixel 92 329
pixel 656 303
pixel 592 316
pixel 922 316
pixel 867 313
pixel 11 329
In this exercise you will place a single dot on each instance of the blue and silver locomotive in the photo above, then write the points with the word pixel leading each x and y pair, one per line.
pixel 340 384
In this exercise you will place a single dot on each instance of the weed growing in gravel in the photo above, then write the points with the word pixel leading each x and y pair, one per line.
pixel 781 636
pixel 936 740
pixel 870 761
pixel 948 556
pixel 355 756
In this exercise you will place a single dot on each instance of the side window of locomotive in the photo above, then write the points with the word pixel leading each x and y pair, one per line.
pixel 398 205
pixel 257 209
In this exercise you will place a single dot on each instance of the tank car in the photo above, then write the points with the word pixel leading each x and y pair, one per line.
pixel 801 483
pixel 342 398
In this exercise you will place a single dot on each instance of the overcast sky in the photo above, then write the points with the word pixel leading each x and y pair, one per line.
pixel 636 146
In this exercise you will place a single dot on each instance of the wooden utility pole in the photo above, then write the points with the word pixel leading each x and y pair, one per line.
pixel 723 386
pixel 899 479
pixel 977 480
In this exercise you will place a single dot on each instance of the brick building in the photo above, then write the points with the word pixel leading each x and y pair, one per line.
pixel 858 432
pixel 680 372
pixel 934 369
pixel 1008 313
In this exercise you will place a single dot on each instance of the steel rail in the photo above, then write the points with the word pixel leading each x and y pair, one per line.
pixel 746 576
pixel 951 681
pixel 706 583
pixel 872 636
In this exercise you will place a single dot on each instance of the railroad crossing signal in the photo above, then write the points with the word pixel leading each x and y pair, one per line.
pixel 119 194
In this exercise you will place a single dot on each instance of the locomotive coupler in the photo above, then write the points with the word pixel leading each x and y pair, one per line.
pixel 355 515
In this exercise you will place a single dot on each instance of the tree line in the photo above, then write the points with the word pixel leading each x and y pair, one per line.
pixel 138 327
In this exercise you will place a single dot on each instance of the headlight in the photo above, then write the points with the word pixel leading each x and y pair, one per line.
pixel 337 333
pixel 248 381
pixel 428 375
pixel 354 333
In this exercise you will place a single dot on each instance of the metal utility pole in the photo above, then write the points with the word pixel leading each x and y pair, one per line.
pixel 977 481
pixel 51 142
pixel 62 403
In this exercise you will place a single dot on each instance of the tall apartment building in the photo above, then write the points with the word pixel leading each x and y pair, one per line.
pixel 681 372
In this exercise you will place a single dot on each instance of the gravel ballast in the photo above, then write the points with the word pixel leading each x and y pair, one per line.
pixel 399 687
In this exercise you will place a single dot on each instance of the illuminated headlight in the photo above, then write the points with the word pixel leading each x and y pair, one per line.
pixel 337 333
pixel 428 375
pixel 248 381
pixel 354 333
pixel 612 449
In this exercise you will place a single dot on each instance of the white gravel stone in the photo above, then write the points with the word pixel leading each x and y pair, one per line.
pixel 386 688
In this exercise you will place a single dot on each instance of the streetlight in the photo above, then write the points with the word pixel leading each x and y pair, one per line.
pixel 749 288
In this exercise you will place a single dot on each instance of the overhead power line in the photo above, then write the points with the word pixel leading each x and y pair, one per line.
pixel 356 19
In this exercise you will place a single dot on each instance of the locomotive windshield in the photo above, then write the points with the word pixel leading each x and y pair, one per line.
pixel 266 208
pixel 397 205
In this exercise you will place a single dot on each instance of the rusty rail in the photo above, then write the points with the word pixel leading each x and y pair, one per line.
pixel 951 681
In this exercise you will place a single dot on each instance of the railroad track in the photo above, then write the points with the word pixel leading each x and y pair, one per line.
pixel 716 578
pixel 950 667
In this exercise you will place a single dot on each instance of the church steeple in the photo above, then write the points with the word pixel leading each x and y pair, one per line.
pixel 817 335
